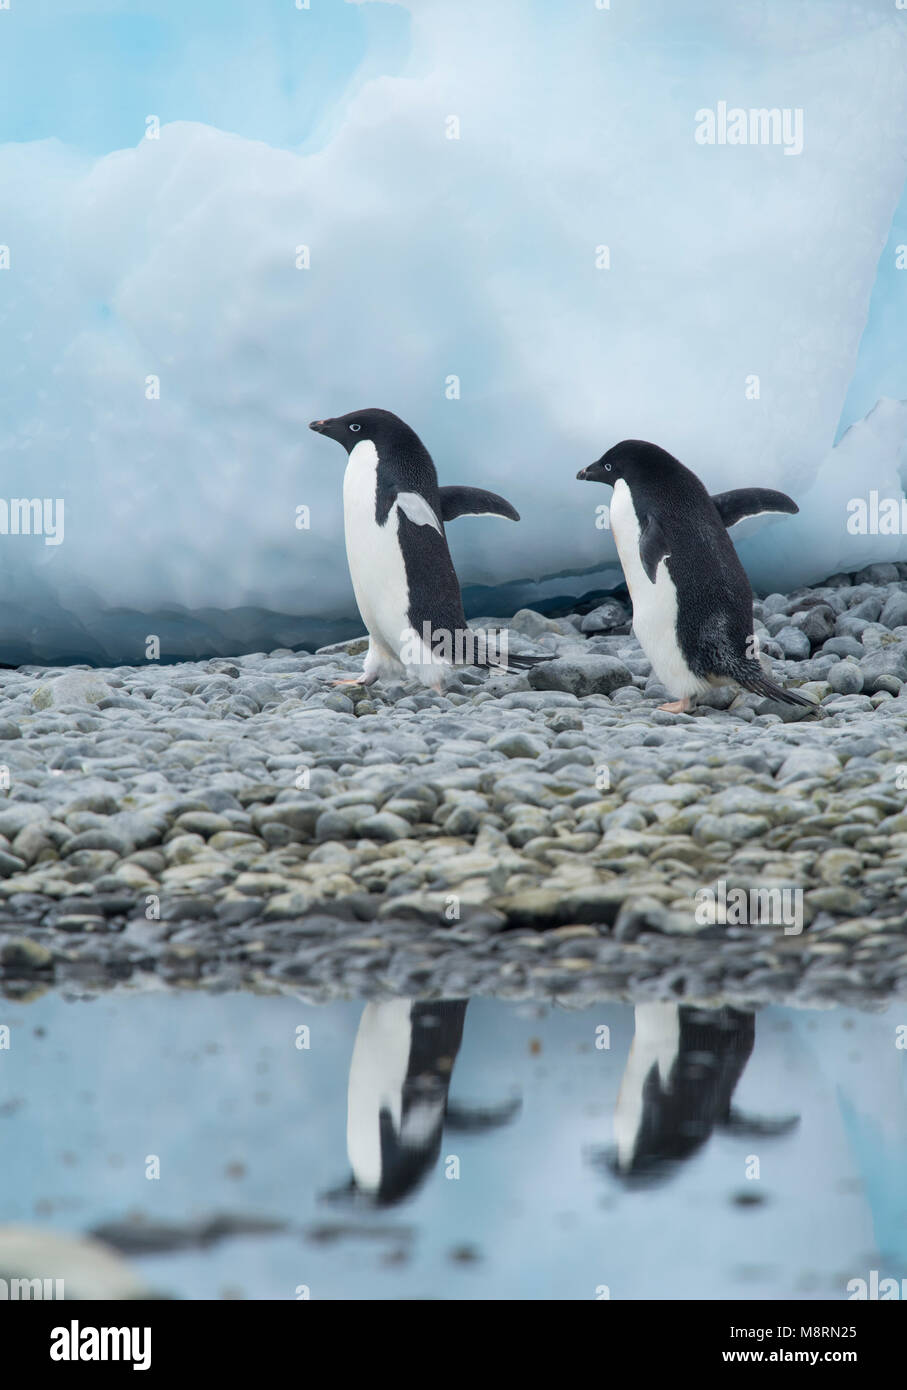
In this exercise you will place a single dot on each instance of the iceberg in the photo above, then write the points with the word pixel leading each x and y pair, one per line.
pixel 515 241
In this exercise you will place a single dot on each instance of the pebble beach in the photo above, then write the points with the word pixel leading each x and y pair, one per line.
pixel 242 822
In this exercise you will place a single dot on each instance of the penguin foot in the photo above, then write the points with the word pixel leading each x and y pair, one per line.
pixel 353 680
pixel 677 706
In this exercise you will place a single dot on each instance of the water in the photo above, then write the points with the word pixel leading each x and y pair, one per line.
pixel 557 1164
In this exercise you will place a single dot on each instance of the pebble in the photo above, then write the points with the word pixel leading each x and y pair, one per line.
pixel 605 618
pixel 894 612
pixel 247 803
pixel 516 745
pixel 882 662
pixel 846 678
pixel 793 643
pixel 589 675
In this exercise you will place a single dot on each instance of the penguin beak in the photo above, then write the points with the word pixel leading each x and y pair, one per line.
pixel 319 426
pixel 593 474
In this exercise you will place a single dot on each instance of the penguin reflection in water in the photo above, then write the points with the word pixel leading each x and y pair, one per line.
pixel 678 1086
pixel 403 576
pixel 398 1106
pixel 692 601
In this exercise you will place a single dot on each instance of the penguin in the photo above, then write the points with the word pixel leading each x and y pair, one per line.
pixel 402 572
pixel 692 601
pixel 682 1070
pixel 397 1100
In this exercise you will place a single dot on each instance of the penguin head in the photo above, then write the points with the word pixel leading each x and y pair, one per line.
pixel 629 459
pixel 381 427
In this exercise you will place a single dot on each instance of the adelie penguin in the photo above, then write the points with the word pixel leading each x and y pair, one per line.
pixel 678 1086
pixel 403 576
pixel 692 601
pixel 398 1105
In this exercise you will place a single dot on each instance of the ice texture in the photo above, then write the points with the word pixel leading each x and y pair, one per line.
pixel 473 258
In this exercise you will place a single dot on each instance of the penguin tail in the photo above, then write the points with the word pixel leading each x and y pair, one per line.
pixel 519 663
pixel 751 676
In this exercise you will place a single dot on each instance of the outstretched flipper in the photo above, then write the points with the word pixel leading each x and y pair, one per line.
pixel 758 1126
pixel 463 1119
pixel 474 501
pixel 742 502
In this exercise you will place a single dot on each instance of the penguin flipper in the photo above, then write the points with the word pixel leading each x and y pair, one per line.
pixel 653 546
pixel 758 1126
pixel 414 505
pixel 474 501
pixel 742 502
pixel 463 1119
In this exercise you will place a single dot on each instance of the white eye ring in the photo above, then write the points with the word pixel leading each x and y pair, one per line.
pixel 355 428
pixel 607 468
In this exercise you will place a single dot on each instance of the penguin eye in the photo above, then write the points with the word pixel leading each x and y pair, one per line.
pixel 607 468
pixel 355 428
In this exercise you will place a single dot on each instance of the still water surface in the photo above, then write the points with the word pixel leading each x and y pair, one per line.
pixel 455 1151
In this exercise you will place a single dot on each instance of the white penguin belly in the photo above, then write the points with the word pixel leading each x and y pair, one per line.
pixel 377 1073
pixel 654 605
pixel 374 555
pixel 656 1042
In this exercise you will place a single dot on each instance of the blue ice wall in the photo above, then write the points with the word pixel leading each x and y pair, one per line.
pixel 513 238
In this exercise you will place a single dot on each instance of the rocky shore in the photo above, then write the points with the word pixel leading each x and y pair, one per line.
pixel 225 822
